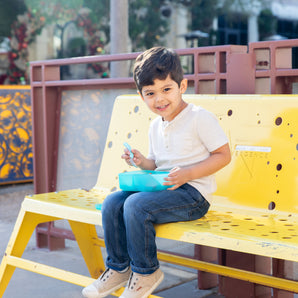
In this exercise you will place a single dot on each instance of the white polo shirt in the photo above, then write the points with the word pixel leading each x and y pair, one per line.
pixel 187 139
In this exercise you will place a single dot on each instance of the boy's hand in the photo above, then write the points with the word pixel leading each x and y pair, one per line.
pixel 137 157
pixel 177 177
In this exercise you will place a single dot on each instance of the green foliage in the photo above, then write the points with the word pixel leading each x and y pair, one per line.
pixel 23 32
pixel 146 24
pixel 56 11
pixel 62 11
pixel 203 12
pixel 8 13
pixel 267 23
pixel 47 6
pixel 100 15
pixel 100 10
pixel 76 47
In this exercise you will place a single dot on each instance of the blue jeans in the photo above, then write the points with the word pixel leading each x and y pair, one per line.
pixel 128 221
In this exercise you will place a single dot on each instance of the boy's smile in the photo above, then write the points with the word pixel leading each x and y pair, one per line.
pixel 164 97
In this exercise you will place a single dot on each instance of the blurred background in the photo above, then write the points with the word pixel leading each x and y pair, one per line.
pixel 37 30
pixel 33 30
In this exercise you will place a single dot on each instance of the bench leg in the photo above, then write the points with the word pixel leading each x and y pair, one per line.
pixel 6 273
pixel 22 232
pixel 90 247
pixel 282 269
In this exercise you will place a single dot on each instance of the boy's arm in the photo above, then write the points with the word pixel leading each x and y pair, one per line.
pixel 148 164
pixel 218 159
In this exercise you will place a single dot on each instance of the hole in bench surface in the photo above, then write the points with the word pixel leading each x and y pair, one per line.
pixel 279 167
pixel 230 112
pixel 271 206
pixel 136 109
pixel 278 121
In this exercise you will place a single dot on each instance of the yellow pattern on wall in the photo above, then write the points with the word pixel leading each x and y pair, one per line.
pixel 16 157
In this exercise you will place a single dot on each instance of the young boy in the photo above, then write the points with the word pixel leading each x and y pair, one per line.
pixel 185 140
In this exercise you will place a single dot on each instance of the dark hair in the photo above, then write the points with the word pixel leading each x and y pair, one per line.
pixel 157 63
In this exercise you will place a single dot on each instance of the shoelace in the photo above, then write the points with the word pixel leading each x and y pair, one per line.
pixel 132 283
pixel 105 275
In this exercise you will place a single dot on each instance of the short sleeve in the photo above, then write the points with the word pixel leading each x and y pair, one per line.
pixel 210 131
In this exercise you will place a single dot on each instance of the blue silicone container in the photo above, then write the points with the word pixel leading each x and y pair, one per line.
pixel 143 181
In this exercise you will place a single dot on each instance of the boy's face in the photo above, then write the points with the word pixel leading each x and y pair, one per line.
pixel 164 97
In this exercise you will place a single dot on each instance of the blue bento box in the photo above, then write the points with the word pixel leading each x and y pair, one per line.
pixel 143 181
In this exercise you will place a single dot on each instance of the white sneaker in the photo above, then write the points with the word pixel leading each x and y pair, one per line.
pixel 141 286
pixel 107 283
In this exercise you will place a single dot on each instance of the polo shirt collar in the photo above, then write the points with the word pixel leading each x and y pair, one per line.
pixel 178 117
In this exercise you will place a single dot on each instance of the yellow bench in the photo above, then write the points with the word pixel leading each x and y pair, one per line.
pixel 255 209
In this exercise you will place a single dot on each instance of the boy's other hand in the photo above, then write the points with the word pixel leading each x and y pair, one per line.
pixel 176 177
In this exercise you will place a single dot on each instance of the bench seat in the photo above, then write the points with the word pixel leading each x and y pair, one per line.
pixel 229 227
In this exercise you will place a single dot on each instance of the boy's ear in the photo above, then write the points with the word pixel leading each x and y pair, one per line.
pixel 183 86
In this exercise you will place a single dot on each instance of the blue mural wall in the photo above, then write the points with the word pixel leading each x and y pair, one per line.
pixel 16 156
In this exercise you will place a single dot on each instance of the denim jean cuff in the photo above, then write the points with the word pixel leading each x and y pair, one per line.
pixel 144 270
pixel 117 267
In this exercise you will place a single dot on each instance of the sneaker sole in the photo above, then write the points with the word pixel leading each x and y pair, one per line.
pixel 104 294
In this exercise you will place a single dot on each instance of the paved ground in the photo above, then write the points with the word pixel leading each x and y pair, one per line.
pixel 179 282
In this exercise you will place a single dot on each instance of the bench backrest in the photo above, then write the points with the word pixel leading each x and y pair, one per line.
pixel 263 136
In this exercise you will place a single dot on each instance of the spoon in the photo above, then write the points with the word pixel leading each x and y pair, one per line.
pixel 127 146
